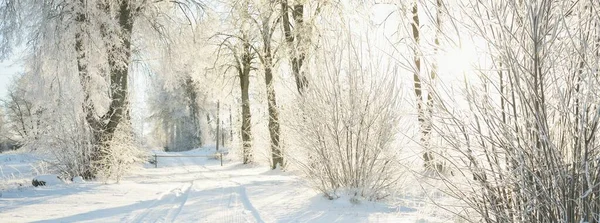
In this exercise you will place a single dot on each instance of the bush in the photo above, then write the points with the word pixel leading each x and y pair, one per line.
pixel 527 148
pixel 121 155
pixel 348 125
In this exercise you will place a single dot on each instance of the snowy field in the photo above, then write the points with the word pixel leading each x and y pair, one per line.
pixel 188 189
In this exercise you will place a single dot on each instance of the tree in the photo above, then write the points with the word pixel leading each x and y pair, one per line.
pixel 24 114
pixel 118 57
pixel 425 106
pixel 268 22
pixel 294 39
pixel 241 54
pixel 175 113
pixel 94 36
pixel 3 132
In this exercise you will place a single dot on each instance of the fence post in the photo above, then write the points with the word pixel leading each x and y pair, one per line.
pixel 221 154
pixel 155 161
pixel 218 123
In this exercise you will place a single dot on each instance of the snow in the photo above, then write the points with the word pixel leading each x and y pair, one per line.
pixel 18 169
pixel 78 180
pixel 193 189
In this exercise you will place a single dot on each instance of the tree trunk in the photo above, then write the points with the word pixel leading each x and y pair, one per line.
pixel 119 70
pixel 267 61
pixel 294 43
pixel 427 158
pixel 276 152
pixel 103 128
pixel 230 126
pixel 244 73
pixel 273 120
pixel 425 108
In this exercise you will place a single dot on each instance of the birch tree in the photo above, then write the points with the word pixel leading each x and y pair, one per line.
pixel 425 103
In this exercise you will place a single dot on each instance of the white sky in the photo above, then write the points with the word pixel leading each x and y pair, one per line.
pixel 8 70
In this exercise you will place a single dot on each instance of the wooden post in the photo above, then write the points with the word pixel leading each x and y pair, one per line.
pixel 218 125
pixel 230 127
pixel 155 161
pixel 222 135
pixel 221 154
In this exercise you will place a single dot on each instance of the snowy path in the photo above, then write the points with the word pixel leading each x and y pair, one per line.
pixel 191 190
pixel 165 208
pixel 233 203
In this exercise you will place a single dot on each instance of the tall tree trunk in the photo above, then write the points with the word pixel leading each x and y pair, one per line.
pixel 119 70
pixel 427 158
pixel 434 73
pixel 91 118
pixel 276 153
pixel 425 108
pixel 267 61
pixel 297 54
pixel 230 126
pixel 244 73
pixel 103 128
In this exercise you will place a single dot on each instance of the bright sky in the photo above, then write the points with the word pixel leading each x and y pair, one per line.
pixel 8 70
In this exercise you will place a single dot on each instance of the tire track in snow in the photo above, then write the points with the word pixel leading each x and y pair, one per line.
pixel 248 205
pixel 173 213
pixel 235 205
pixel 238 194
pixel 168 206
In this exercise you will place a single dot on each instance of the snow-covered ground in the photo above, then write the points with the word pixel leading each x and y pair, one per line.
pixel 184 189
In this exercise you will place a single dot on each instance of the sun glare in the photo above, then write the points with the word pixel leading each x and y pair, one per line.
pixel 457 60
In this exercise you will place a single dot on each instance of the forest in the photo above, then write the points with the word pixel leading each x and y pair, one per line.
pixel 490 108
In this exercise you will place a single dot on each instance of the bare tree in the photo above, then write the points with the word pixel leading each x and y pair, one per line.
pixel 242 54
pixel 267 27
pixel 96 38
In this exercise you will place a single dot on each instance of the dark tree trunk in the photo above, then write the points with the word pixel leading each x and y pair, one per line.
pixel 267 61
pixel 103 128
pixel 294 43
pixel 244 73
pixel 273 112
pixel 427 157
pixel 190 88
